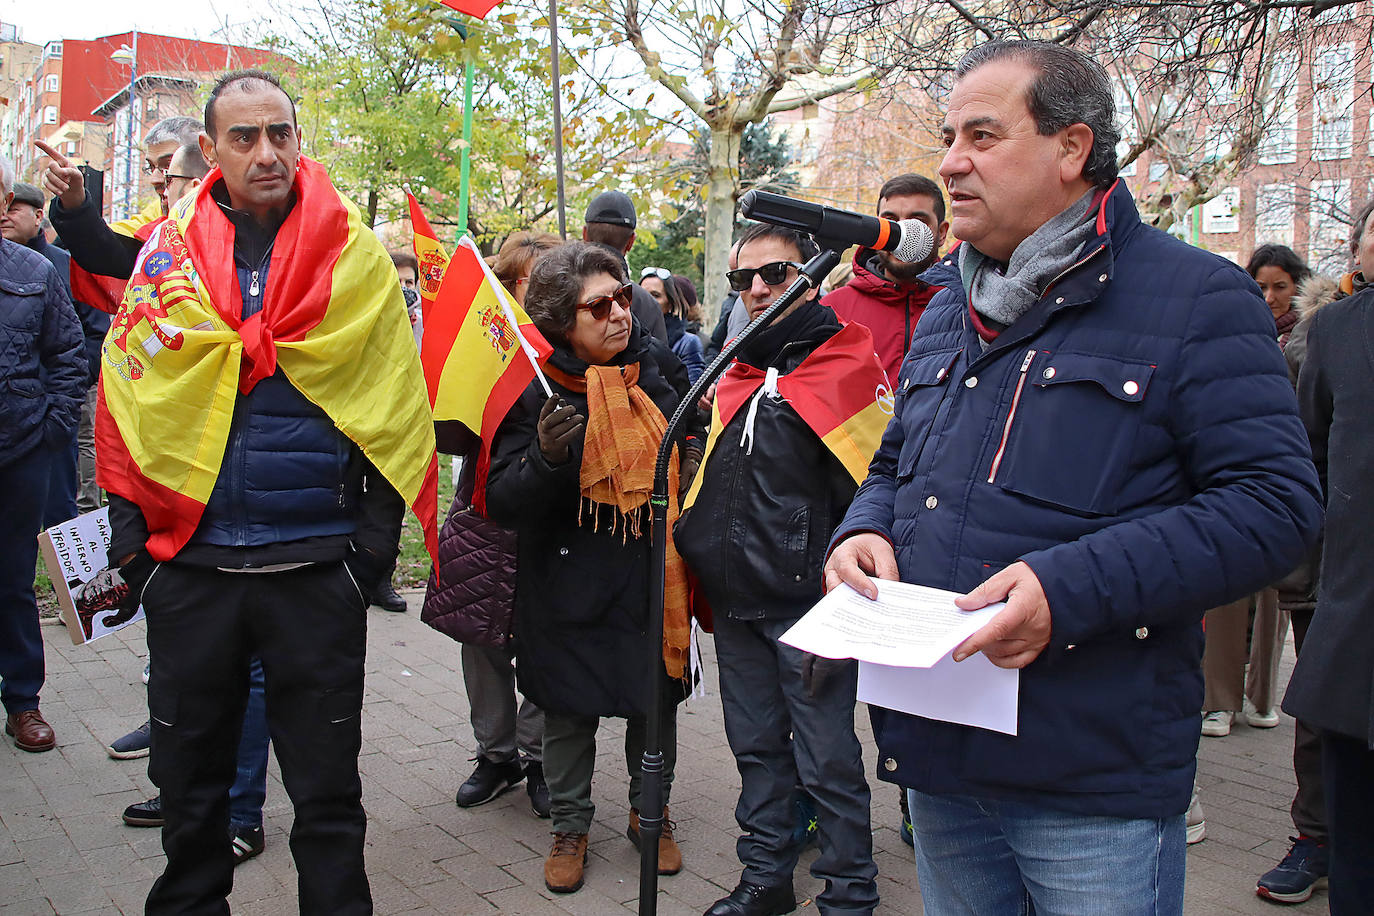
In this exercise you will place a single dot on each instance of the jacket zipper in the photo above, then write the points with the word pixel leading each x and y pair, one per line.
pixel 1011 416
pixel 1072 267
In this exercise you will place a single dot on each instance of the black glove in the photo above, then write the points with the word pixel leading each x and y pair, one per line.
pixel 687 470
pixel 559 425
pixel 817 669
pixel 114 588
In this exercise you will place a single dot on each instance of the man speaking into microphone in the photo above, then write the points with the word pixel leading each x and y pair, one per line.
pixel 795 421
pixel 1094 426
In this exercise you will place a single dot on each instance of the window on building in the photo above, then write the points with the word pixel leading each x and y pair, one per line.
pixel 1123 91
pixel 1275 206
pixel 50 114
pixel 1158 169
pixel 50 83
pixel 1333 98
pixel 1222 213
pixel 1328 221
pixel 1279 144
pixel 70 148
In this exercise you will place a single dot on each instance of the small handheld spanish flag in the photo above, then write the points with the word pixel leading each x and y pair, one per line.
pixel 429 254
pixel 479 351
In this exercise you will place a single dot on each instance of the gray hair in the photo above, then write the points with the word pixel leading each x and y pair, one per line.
pixel 182 129
pixel 6 176
pixel 193 160
pixel 1070 88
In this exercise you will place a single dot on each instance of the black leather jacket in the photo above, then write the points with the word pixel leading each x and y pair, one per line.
pixel 756 535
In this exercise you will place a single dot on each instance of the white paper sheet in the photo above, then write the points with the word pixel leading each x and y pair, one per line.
pixel 908 626
pixel 972 692
pixel 903 642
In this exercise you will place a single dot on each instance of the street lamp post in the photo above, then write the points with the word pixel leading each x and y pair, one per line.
pixel 127 55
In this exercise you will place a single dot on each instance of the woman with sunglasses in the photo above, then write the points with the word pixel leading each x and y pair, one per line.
pixel 667 292
pixel 572 475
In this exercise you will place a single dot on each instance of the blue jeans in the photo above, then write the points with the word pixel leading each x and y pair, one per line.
pixel 985 856
pixel 249 792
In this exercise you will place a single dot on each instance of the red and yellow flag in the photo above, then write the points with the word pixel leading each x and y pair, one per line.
pixel 480 350
pixel 100 291
pixel 840 390
pixel 429 254
pixel 179 352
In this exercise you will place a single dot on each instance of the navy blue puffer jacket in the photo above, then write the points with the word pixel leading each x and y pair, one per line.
pixel 42 363
pixel 1134 439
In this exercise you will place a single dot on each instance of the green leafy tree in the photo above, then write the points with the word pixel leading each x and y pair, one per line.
pixel 382 106
pixel 767 161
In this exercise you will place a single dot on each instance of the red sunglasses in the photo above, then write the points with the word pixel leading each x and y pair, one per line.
pixel 600 307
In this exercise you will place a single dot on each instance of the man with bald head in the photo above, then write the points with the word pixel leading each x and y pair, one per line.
pixel 260 324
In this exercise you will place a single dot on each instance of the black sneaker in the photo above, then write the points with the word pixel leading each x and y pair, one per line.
pixel 489 780
pixel 537 788
pixel 246 842
pixel 135 744
pixel 1300 872
pixel 145 814
pixel 386 598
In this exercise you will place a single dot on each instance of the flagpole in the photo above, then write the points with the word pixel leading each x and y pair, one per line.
pixel 557 118
pixel 465 156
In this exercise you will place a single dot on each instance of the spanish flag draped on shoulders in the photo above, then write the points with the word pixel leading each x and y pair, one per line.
pixel 180 353
pixel 795 421
pixel 106 293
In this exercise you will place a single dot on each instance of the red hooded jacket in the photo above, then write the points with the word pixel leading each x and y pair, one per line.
pixel 889 310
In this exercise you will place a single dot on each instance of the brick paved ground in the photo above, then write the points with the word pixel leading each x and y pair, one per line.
pixel 64 849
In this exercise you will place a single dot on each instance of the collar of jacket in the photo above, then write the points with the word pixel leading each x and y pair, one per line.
pixel 870 280
pixel 1080 284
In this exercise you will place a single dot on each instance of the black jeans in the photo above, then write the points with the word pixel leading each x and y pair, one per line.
pixel 781 736
pixel 1348 768
pixel 308 626
pixel 24 488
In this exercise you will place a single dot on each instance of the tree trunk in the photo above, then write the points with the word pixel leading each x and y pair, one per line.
pixel 722 187
pixel 371 207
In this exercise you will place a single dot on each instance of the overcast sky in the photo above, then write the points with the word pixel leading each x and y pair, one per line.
pixel 41 21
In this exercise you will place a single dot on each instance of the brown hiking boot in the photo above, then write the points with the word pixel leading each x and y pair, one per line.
pixel 669 856
pixel 563 868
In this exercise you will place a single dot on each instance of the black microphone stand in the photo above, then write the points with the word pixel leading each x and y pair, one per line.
pixel 651 768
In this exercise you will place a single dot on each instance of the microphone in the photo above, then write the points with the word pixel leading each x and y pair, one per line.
pixel 910 240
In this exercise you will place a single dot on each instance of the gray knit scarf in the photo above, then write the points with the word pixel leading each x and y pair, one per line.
pixel 1003 295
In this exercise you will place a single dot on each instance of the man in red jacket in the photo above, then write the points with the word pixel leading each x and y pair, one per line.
pixel 886 295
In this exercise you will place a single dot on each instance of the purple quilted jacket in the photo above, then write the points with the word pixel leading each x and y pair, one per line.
pixel 476 602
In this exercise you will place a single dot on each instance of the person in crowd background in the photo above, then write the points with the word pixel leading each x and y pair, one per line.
pixel 1070 420
pixel 1255 627
pixel 610 223
pixel 581 586
pixel 886 295
pixel 1329 420
pixel 668 294
pixel 509 730
pixel 43 380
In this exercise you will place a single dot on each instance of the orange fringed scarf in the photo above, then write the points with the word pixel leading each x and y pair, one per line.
pixel 624 429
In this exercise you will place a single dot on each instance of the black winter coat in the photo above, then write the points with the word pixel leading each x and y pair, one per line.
pixel 580 597
pixel 1333 683
pixel 756 536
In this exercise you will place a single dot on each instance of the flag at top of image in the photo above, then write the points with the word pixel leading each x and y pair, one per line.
pixel 479 351
pixel 478 8
pixel 430 255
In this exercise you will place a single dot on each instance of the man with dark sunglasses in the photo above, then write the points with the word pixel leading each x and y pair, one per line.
pixel 753 531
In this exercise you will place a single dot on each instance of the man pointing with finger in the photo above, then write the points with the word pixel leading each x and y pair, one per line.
pixel 1093 424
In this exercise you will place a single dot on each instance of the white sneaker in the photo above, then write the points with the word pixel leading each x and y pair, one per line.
pixel 1197 827
pixel 1256 719
pixel 1217 724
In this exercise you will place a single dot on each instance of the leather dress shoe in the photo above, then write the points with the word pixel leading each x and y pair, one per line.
pixel 386 598
pixel 756 900
pixel 30 731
